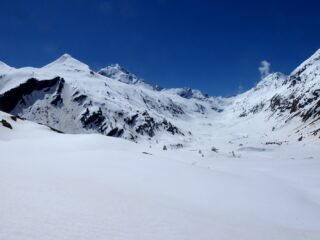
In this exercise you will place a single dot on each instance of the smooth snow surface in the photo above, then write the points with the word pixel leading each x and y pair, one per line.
pixel 84 187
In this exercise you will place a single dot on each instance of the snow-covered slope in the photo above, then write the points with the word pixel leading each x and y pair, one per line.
pixel 285 100
pixel 67 95
pixel 88 186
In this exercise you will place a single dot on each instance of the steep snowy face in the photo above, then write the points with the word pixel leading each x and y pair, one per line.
pixel 121 74
pixel 255 100
pixel 284 100
pixel 271 82
pixel 188 93
pixel 299 95
pixel 312 62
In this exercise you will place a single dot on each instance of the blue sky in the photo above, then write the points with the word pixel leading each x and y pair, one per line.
pixel 214 46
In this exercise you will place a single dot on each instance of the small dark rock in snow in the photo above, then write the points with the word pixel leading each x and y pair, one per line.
pixel 147 153
pixel 80 99
pixel 6 124
pixel 176 146
pixel 213 149
pixel 55 130
pixel 273 143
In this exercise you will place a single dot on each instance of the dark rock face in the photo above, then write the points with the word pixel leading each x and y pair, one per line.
pixel 255 109
pixel 170 128
pixel 279 103
pixel 149 126
pixel 93 120
pixel 297 105
pixel 80 99
pixel 174 109
pixel 131 120
pixel 315 132
pixel 11 98
pixel 144 124
pixel 200 108
pixel 57 98
pixel 312 112
pixel 116 132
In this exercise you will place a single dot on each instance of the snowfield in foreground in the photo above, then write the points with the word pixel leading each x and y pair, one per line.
pixel 59 186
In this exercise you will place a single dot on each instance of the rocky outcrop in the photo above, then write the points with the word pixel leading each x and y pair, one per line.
pixel 11 98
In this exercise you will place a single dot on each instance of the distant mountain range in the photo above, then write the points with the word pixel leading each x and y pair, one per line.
pixel 68 96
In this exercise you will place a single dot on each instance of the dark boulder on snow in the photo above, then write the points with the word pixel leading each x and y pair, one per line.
pixel 6 124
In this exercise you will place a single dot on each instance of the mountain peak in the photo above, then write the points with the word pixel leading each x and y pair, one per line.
pixel 188 93
pixel 117 66
pixel 117 72
pixel 67 62
pixel 66 56
pixel 274 80
pixel 121 74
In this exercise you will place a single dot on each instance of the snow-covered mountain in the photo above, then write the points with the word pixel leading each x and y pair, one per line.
pixel 67 95
pixel 245 167
pixel 119 73
pixel 286 99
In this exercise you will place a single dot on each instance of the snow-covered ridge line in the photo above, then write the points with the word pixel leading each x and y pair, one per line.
pixel 115 102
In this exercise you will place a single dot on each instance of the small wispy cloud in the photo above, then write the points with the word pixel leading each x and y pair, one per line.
pixel 264 68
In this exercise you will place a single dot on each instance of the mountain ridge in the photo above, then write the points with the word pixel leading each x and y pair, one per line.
pixel 67 95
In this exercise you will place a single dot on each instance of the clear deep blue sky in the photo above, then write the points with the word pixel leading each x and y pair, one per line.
pixel 214 46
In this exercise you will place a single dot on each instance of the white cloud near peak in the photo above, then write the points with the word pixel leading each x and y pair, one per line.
pixel 264 68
